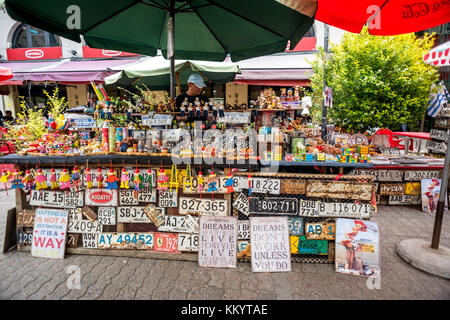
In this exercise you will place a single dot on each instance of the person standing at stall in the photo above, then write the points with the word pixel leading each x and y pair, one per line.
pixel 195 88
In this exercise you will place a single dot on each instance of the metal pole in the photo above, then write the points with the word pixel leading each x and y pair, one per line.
pixel 441 203
pixel 324 107
pixel 171 39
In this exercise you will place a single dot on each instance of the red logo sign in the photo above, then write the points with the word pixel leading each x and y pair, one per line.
pixel 34 53
pixel 101 197
pixel 111 53
pixel 166 242
pixel 102 53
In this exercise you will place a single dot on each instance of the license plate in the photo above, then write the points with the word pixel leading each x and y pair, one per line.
pixel 392 189
pixel 295 226
pixel 390 175
pixel 90 240
pixel 351 210
pixel 221 180
pixel 45 198
pixel 101 197
pixel 94 176
pixel 372 173
pixel 75 214
pixel 176 224
pixel 192 223
pixel 126 240
pixel 72 240
pixel 436 147
pixel 84 226
pixel 187 242
pixel 416 175
pixel 126 197
pixel 301 245
pixel 413 188
pixel 207 207
pixel 107 216
pixel 24 237
pixel 243 229
pixel 320 231
pixel 260 185
pixel 439 135
pixel 133 215
pixel 442 123
pixel 166 242
pixel 275 206
pixel 73 199
pixel 25 218
pixel 405 199
pixel 309 208
pixel 145 195
pixel 241 204
pixel 243 249
pixel 145 176
pixel 168 199
pixel 293 186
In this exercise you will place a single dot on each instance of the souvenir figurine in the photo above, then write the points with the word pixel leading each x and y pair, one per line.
pixel 229 183
pixel 182 111
pixel 124 179
pixel 16 180
pixel 149 180
pixel 64 179
pixel 197 110
pixel 28 180
pixel 190 111
pixel 137 180
pixel 200 181
pixel 221 111
pixel 40 180
pixel 111 180
pixel 4 178
pixel 214 111
pixel 99 178
pixel 205 111
pixel 129 112
pixel 162 180
pixel 211 104
pixel 75 178
pixel 88 177
pixel 212 182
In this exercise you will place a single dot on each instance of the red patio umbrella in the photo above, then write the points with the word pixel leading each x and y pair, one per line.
pixel 384 17
pixel 5 74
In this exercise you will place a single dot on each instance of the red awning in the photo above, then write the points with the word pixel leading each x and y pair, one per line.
pixel 11 83
pixel 276 83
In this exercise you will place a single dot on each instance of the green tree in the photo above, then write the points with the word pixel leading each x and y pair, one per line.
pixel 376 81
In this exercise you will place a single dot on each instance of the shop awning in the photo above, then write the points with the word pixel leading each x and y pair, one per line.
pixel 66 70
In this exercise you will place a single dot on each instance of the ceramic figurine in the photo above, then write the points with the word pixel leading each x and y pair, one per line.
pixel 182 111
pixel 111 180
pixel 214 111
pixel 16 180
pixel 28 180
pixel 99 178
pixel 64 179
pixel 205 111
pixel 190 111
pixel 198 111
pixel 211 104
pixel 162 180
pixel 124 179
pixel 88 177
pixel 4 179
pixel 221 110
pixel 75 178
pixel 212 182
pixel 40 180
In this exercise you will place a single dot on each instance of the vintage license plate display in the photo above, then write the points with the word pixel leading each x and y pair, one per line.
pixel 259 185
pixel 107 216
pixel 387 189
pixel 339 189
pixel 293 186
pixel 355 210
pixel 301 245
pixel 133 215
pixel 187 242
pixel 243 229
pixel 436 147
pixel 176 224
pixel 147 195
pixel 390 175
pixel 126 240
pixel 90 240
pixel 272 206
pixel 413 188
pixel 320 231
pixel 47 198
pixel 405 199
pixel 417 175
pixel 309 208
pixel 195 188
pixel 126 197
pixel 166 242
pixel 101 197
pixel 210 207
pixel 73 199
pixel 168 199
pixel 295 226
pixel 439 135
pixel 371 173
pixel 241 204
pixel 84 226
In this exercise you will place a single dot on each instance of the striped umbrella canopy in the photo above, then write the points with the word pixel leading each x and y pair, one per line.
pixel 439 56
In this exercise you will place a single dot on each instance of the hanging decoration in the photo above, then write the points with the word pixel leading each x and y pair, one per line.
pixel 188 179
pixel 75 178
pixel 124 179
pixel 174 178
pixel 53 179
pixel 212 182
pixel 40 180
pixel 200 181
pixel 99 178
pixel 16 179
pixel 137 180
pixel 28 181
pixel 162 180
pixel 4 179
pixel 64 179
pixel 229 183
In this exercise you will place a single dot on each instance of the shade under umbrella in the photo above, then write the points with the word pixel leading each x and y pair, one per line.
pixel 5 74
pixel 384 17
pixel 439 56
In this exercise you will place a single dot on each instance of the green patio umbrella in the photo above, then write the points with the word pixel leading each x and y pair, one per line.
pixel 181 29
pixel 154 72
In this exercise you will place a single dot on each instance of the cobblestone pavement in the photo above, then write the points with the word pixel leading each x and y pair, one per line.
pixel 24 277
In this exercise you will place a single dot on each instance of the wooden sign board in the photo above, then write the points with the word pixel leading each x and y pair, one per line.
pixel 218 240
pixel 72 240
pixel 25 218
pixel 49 233
pixel 270 251
pixel 339 190
pixel 387 189
pixel 293 186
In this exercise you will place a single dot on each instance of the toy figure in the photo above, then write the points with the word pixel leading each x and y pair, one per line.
pixel 124 179
pixel 75 178
pixel 205 111
pixel 64 179
pixel 53 179
pixel 212 182
pixel 16 180
pixel 229 183
pixel 129 112
pixel 4 178
pixel 111 180
pixel 190 111
pixel 40 180
pixel 149 180
pixel 198 110
pixel 28 180
pixel 214 111
pixel 200 181
pixel 99 178
pixel 137 180
pixel 88 178
pixel 182 111
pixel 211 104
pixel 162 180
pixel 221 111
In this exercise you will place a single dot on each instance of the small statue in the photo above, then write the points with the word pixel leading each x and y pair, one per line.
pixel 124 179
pixel 88 177
pixel 182 111
pixel 212 182
pixel 200 181
pixel 190 111
pixel 129 112
pixel 40 180
pixel 205 111
pixel 214 111
pixel 64 179
pixel 198 110
pixel 211 104
pixel 221 111
pixel 111 180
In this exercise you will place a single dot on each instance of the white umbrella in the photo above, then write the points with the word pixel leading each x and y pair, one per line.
pixel 439 56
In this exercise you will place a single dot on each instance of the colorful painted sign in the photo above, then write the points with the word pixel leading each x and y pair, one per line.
pixel 101 197
pixel 430 194
pixel 49 233
pixel 301 245
pixel 166 242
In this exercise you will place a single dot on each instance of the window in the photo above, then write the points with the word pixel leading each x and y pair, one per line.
pixel 27 36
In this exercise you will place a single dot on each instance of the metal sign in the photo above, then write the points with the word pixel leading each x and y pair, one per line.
pixel 166 242
pixel 339 190
pixel 157 120
pixel 195 188
pixel 126 197
pixel 72 240
pixel 387 189
pixel 413 188
pixel 89 213
pixel 46 198
pixel 235 117
pixel 293 186
pixel 192 223
pixel 443 123
pixel 309 208
pixel 49 233
pixel 73 199
pixel 187 242
pixel 259 185
pixel 241 204
pixel 107 216
pixel 243 229
pixel 405 200
pixel 441 135
pixel 176 224
pixel 90 240
pixel 320 230
pixel 132 214
pixel 168 199
pixel 436 147
pixel 295 226
pixel 243 249
pixel 147 195
pixel 270 251
pixel 273 206
pixel 301 245
pixel 210 207
pixel 25 218
pixel 126 240
pixel 24 237
pixel 349 209
pixel 417 175
pixel 101 197
pixel 218 240
pixel 75 214
pixel 84 226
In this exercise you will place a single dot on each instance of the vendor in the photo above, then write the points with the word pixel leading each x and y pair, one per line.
pixel 195 88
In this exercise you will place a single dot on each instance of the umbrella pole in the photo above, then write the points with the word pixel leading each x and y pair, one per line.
pixel 171 47
pixel 324 107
